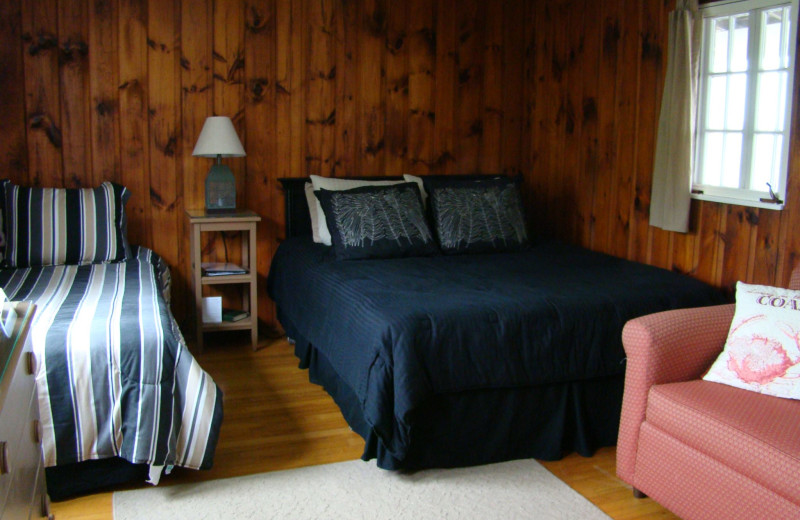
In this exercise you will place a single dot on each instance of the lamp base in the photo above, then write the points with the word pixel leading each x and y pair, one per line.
pixel 220 189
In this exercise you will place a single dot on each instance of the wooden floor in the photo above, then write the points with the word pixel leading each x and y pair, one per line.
pixel 275 419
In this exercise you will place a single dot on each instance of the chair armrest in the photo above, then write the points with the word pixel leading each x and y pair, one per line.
pixel 674 346
pixel 794 281
pixel 665 347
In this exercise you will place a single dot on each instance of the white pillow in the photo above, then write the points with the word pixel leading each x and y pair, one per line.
pixel 312 201
pixel 418 180
pixel 332 184
pixel 762 352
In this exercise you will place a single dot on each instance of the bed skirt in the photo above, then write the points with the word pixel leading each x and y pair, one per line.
pixel 545 422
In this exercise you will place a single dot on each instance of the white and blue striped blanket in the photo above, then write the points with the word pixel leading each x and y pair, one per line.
pixel 114 375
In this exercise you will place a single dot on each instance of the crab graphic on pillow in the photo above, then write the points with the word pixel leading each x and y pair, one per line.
pixel 762 352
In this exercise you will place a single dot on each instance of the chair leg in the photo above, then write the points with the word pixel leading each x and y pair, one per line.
pixel 638 494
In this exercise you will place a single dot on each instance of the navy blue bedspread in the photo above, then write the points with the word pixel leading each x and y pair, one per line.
pixel 398 331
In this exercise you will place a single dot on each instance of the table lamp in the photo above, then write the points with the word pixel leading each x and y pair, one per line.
pixel 218 139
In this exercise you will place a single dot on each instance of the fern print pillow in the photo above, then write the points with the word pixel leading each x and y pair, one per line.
pixel 323 235
pixel 762 352
pixel 377 222
pixel 478 216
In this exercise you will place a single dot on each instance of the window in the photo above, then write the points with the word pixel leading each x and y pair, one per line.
pixel 746 71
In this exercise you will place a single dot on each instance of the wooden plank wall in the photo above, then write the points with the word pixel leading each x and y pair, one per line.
pixel 566 92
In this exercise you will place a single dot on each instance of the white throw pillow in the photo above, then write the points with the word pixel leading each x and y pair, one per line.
pixel 418 180
pixel 762 352
pixel 332 184
pixel 312 201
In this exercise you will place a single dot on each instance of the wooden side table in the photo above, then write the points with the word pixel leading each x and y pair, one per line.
pixel 244 221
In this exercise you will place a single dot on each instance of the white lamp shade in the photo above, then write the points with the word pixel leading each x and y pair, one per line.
pixel 218 137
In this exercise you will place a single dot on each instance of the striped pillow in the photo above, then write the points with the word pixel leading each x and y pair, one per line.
pixel 57 226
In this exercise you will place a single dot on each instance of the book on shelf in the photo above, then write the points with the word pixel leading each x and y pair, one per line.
pixel 234 315
pixel 221 269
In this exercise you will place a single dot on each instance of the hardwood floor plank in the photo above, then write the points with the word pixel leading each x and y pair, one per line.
pixel 275 419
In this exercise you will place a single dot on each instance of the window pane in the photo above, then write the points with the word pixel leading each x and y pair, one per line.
pixel 763 167
pixel 712 159
pixel 739 48
pixel 772 39
pixel 732 160
pixel 777 162
pixel 787 16
pixel 767 161
pixel 717 87
pixel 719 45
pixel 737 87
pixel 771 101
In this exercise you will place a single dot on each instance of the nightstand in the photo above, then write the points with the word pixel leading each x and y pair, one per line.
pixel 245 222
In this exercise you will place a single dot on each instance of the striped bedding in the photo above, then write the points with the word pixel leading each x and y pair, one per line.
pixel 115 378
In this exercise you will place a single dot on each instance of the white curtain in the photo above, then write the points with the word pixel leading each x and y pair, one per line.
pixel 672 171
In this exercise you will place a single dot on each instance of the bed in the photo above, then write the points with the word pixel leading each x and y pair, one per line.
pixel 457 360
pixel 120 396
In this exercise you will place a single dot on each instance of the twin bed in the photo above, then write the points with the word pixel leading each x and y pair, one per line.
pixel 454 360
pixel 120 396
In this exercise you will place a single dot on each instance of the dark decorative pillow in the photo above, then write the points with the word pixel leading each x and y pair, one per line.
pixel 477 216
pixel 377 222
pixel 427 182
pixel 57 226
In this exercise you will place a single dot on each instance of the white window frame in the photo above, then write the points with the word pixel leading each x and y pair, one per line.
pixel 744 196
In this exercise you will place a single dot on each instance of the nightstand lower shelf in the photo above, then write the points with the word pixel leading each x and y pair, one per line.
pixel 228 325
pixel 230 278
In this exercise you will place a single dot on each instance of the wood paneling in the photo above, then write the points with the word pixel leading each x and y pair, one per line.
pixel 164 109
pixel 566 92
pixel 513 88
pixel 589 178
pixel 42 103
pixel 13 144
pixel 103 91
pixel 133 109
pixel 587 144
pixel 421 45
pixel 445 75
pixel 73 26
pixel 260 142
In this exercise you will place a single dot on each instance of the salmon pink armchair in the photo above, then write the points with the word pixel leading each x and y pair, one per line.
pixel 701 449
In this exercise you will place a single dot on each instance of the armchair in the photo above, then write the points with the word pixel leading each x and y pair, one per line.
pixel 701 449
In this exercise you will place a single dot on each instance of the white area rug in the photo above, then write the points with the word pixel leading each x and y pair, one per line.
pixel 356 489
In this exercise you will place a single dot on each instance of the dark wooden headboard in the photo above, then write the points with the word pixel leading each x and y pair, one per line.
pixel 298 221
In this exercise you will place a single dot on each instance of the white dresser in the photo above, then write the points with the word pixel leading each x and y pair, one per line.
pixel 23 492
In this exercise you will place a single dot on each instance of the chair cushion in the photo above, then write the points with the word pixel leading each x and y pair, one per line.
pixel 754 434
